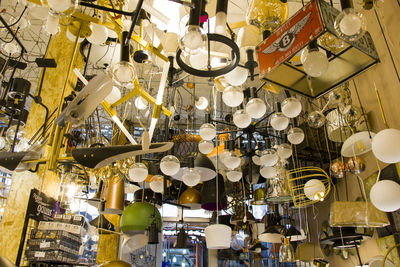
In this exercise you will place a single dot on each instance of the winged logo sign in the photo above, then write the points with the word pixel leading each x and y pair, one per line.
pixel 290 38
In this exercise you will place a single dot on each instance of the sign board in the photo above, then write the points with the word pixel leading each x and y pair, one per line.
pixel 41 207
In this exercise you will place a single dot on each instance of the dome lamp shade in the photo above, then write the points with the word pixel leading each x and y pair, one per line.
pixel 139 216
pixel 191 198
pixel 218 236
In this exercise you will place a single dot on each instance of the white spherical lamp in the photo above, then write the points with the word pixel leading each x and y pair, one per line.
pixel 314 189
pixel 232 96
pixel 279 121
pixel 170 165
pixel 269 157
pixel 241 118
pixel 157 183
pixel 141 103
pixel 231 161
pixel 237 76
pixel 234 175
pixel 284 151
pixel 385 195
pixel 138 172
pixel 315 62
pixel 113 96
pixel 201 103
pixel 295 136
pixel 206 146
pixel 99 34
pixel 191 177
pixel 207 131
pixel 386 145
pixel 256 108
pixel 268 172
pixel 291 107
pixel 199 61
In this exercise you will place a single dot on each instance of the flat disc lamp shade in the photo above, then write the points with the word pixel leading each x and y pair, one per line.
pixel 115 196
pixel 138 217
pixel 191 198
pixel 218 236
pixel 209 197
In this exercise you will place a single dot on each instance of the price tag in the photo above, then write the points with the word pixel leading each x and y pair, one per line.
pixel 45 245
pixel 39 254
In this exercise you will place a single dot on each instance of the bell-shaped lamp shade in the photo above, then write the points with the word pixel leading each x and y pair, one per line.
pixel 116 263
pixel 270 235
pixel 357 144
pixel 385 195
pixel 190 197
pixel 138 217
pixel 181 239
pixel 218 236
pixel 209 197
pixel 115 196
pixel 386 145
pixel 308 251
pixel 103 225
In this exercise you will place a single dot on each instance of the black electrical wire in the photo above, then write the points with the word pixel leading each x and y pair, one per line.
pixel 23 11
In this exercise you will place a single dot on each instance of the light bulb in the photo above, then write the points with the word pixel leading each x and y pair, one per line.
pixel 220 23
pixel 291 107
pixel 316 119
pixel 286 252
pixel 268 172
pixel 314 189
pixel 207 131
pixel 315 62
pixel 170 165
pixel 241 118
pixel 198 61
pixel 237 76
pixel 385 195
pixel 194 40
pixel 201 103
pixel 279 121
pixel 191 177
pixel 99 34
pixel 113 96
pixel 123 74
pixel 141 103
pixel 138 172
pixel 157 183
pixel 60 6
pixel 231 161
pixel 350 24
pixel 52 24
pixel 206 146
pixel 295 136
pixel 232 96
pixel 284 151
pixel 256 108
pixel 234 175
pixel 269 157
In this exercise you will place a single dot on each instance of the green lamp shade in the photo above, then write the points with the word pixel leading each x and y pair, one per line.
pixel 138 217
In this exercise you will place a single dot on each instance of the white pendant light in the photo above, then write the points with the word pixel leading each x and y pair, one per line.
pixel 218 236
pixel 207 131
pixel 170 165
pixel 357 144
pixel 141 103
pixel 279 121
pixel 113 96
pixel 191 177
pixel 295 136
pixel 157 183
pixel 99 34
pixel 234 175
pixel 241 118
pixel 199 61
pixel 193 40
pixel 386 145
pixel 256 160
pixel 231 161
pixel 314 189
pixel 269 157
pixel 315 61
pixel 385 195
pixel 201 103
pixel 291 107
pixel 206 146
pixel 138 172
pixel 256 108
pixel 232 96
pixel 350 24
pixel 268 172
pixel 237 76
pixel 284 151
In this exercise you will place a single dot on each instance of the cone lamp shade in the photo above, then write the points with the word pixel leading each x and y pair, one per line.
pixel 218 236
pixel 139 216
pixel 191 198
pixel 115 196
pixel 209 197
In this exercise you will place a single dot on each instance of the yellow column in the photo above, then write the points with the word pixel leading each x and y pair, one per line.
pixel 14 214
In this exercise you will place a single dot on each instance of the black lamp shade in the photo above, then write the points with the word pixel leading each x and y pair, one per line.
pixel 181 239
pixel 101 223
pixel 209 194
pixel 153 233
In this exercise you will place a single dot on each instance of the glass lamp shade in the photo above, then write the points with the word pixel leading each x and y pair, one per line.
pixel 207 131
pixel 315 62
pixel 279 121
pixel 284 151
pixel 113 96
pixel 231 161
pixel 338 169
pixel 190 197
pixel 218 236
pixel 314 189
pixel 116 263
pixel 286 252
pixel 338 96
pixel 357 144
pixel 237 76
pixel 191 177
pixel 267 14
pixel 241 118
pixel 232 96
pixel 386 146
pixel 157 183
pixel 201 103
pixel 385 195
pixel 234 175
pixel 170 43
pixel 199 61
pixel 170 165
pixel 269 157
pixel 295 136
pixel 248 37
pixel 350 24
pixel 355 165
pixel 137 241
pixel 123 74
pixel 256 108
pixel 194 40
pixel 206 146
pixel 141 103
pixel 291 107
pixel 316 119
pixel 138 172
pixel 99 34
pixel 60 6
pixel 138 217
pixel 256 160
pixel 209 197
pixel 268 172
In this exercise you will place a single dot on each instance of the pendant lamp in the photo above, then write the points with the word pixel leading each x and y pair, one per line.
pixel 101 223
pixel 115 196
pixel 139 216
pixel 116 263
pixel 181 239
pixel 286 251
pixel 258 197
pixel 308 251
pixel 209 194
pixel 242 216
pixel 149 196
pixel 191 198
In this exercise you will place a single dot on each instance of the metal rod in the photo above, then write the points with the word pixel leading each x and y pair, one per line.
pixel 121 12
pixel 135 17
pixel 13 35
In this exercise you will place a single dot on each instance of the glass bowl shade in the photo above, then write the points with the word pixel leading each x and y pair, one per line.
pixel 284 151
pixel 295 136
pixel 232 96
pixel 138 172
pixel 291 107
pixel 316 119
pixel 207 131
pixel 269 157
pixel 170 165
pixel 279 121
pixel 350 24
pixel 256 108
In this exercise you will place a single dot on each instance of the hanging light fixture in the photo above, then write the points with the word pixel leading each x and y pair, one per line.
pixel 209 194
pixel 206 146
pixel 237 76
pixel 123 72
pixel 190 197
pixel 295 136
pixel 138 217
pixel 99 34
pixel 115 200
pixel 191 176
pixel 241 118
pixel 291 107
pixel 279 121
pixel 157 183
pixel 350 24
pixel 220 21
pixel 386 145
pixel 232 96
pixel 234 175
pixel 58 9
pixel 138 172
pixel 286 251
pixel 207 130
pixel 170 165
pixel 385 195
pixel 315 61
